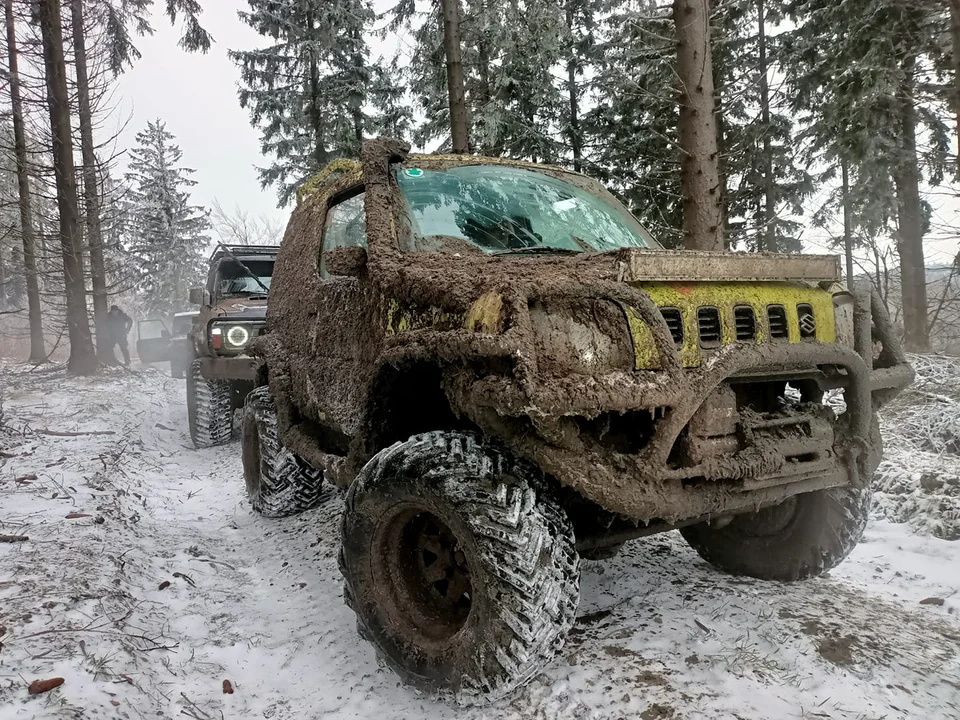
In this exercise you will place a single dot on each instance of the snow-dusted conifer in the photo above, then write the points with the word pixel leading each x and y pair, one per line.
pixel 166 234
pixel 307 89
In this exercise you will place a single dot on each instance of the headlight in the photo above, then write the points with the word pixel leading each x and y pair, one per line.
pixel 843 317
pixel 583 336
pixel 232 337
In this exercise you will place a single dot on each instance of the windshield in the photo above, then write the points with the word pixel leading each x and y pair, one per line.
pixel 504 209
pixel 232 279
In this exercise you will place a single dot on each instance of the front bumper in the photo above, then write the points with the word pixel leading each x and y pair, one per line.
pixel 543 420
pixel 229 368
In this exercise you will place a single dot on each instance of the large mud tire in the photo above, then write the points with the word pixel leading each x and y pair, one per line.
pixel 801 538
pixel 209 409
pixel 460 565
pixel 278 482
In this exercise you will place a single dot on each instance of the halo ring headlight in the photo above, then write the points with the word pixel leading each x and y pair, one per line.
pixel 238 336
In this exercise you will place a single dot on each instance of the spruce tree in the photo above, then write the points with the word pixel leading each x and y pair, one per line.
pixel 165 233
pixel 632 129
pixel 864 106
pixel 307 89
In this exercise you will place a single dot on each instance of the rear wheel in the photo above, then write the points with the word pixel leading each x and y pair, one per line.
pixel 802 537
pixel 209 409
pixel 278 482
pixel 460 565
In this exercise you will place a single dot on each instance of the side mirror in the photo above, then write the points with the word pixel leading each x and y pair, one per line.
pixel 345 261
pixel 197 296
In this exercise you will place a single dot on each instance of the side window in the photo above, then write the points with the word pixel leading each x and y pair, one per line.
pixel 346 226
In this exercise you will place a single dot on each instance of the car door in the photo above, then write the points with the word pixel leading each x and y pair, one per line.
pixel 344 341
pixel 153 341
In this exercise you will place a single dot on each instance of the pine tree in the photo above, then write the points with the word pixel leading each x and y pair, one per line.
pixel 83 358
pixel 765 181
pixel 864 108
pixel 165 233
pixel 515 103
pixel 307 90
pixel 631 132
pixel 24 198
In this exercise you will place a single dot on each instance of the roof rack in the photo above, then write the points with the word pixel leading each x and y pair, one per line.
pixel 247 250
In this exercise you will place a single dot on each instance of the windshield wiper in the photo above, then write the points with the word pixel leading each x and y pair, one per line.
pixel 538 250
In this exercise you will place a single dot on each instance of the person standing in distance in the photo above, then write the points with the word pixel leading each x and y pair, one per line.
pixel 119 324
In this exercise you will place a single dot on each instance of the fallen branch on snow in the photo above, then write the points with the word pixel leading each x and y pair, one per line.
pixel 69 433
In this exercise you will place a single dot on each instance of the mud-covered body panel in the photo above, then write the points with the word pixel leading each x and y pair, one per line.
pixel 562 357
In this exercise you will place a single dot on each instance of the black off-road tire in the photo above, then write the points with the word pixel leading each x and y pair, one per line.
pixel 491 607
pixel 209 409
pixel 278 482
pixel 801 538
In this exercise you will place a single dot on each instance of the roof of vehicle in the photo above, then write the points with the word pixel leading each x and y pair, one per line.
pixel 245 251
pixel 344 166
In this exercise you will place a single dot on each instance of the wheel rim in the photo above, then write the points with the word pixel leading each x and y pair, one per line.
pixel 768 521
pixel 424 571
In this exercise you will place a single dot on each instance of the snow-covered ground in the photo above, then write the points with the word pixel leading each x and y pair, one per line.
pixel 147 583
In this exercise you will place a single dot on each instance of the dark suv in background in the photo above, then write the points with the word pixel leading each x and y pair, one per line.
pixel 233 306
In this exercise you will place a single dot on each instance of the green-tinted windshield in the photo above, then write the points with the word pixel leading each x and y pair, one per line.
pixel 506 209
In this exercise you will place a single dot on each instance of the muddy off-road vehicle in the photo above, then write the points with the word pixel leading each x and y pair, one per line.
pixel 508 374
pixel 233 306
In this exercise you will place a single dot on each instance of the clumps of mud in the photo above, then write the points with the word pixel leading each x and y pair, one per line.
pixel 918 481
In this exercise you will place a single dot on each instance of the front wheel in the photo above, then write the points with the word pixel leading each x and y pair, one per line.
pixel 209 409
pixel 460 565
pixel 802 537
pixel 278 482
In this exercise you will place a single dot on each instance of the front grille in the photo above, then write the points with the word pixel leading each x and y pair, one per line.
pixel 745 322
pixel 708 322
pixel 674 320
pixel 777 317
pixel 808 323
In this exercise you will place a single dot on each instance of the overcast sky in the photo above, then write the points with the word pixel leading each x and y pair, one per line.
pixel 196 95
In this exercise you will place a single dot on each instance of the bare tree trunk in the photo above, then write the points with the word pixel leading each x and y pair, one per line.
pixel 721 158
pixel 955 47
pixel 847 220
pixel 83 357
pixel 3 280
pixel 34 312
pixel 767 240
pixel 91 188
pixel 913 279
pixel 573 90
pixel 699 169
pixel 458 101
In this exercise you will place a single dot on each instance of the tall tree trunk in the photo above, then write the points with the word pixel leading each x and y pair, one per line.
pixel 458 101
pixel 573 90
pixel 913 280
pixel 91 188
pixel 767 239
pixel 847 220
pixel 37 352
pixel 699 169
pixel 83 357
pixel 3 280
pixel 721 158
pixel 955 48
